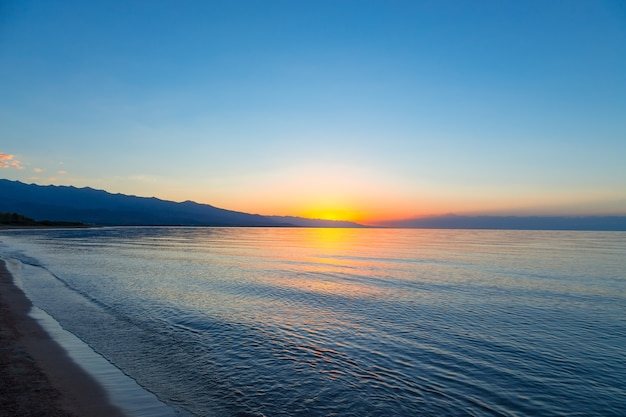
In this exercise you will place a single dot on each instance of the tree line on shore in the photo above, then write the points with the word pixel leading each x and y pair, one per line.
pixel 16 219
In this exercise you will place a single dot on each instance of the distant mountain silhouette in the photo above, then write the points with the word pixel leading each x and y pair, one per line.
pixel 451 221
pixel 97 207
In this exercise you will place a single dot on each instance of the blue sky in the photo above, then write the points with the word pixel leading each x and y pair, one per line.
pixel 357 109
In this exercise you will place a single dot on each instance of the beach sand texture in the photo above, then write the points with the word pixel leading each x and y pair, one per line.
pixel 38 377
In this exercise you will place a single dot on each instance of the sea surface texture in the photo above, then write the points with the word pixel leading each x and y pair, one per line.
pixel 344 322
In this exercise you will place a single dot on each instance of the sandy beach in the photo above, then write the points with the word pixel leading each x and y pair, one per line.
pixel 38 377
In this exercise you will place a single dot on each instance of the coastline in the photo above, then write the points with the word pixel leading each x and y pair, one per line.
pixel 38 376
pixel 43 227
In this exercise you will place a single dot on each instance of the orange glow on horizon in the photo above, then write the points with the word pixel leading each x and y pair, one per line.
pixel 336 214
pixel 365 213
pixel 358 216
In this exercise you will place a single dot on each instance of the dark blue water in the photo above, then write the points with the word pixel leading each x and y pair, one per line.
pixel 345 322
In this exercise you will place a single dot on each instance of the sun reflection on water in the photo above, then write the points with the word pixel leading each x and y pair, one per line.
pixel 348 321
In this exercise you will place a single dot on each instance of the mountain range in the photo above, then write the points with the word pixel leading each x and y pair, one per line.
pixel 96 207
pixel 101 208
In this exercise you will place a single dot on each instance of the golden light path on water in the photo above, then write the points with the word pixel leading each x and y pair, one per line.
pixel 378 322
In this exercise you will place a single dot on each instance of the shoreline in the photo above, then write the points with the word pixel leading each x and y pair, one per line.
pixel 44 227
pixel 38 376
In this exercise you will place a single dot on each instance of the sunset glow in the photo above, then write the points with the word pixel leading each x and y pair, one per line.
pixel 365 112
pixel 329 213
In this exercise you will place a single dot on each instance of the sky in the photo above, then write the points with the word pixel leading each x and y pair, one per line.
pixel 357 110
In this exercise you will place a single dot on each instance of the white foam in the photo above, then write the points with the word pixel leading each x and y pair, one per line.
pixel 123 391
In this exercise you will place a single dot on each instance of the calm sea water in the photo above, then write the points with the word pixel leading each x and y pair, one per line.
pixel 344 322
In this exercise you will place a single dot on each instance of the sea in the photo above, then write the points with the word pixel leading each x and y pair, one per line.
pixel 343 322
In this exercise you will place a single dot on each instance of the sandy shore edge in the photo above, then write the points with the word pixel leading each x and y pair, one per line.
pixel 38 377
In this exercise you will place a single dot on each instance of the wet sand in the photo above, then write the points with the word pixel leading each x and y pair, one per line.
pixel 38 377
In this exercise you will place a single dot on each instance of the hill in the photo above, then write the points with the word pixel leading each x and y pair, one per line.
pixel 98 207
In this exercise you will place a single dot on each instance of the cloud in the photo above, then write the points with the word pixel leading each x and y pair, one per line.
pixel 61 172
pixel 7 161
pixel 38 170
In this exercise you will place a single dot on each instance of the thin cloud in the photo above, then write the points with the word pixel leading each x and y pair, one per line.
pixel 61 172
pixel 7 161
pixel 38 170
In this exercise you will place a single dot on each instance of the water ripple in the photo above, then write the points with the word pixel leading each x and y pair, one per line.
pixel 290 322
